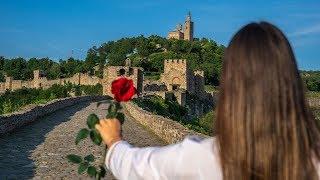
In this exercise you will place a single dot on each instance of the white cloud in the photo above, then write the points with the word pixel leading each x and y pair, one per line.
pixel 306 31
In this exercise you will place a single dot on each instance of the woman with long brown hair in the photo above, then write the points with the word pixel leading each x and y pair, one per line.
pixel 265 129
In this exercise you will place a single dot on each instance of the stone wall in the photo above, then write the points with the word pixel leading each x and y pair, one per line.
pixel 167 129
pixel 175 73
pixel 40 81
pixel 9 122
pixel 113 72
pixel 314 102
pixel 2 87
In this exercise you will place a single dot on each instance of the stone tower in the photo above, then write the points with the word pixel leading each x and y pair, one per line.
pixel 183 33
pixel 39 79
pixel 188 28
pixel 8 83
pixel 36 74
pixel 175 75
pixel 111 73
pixel 199 82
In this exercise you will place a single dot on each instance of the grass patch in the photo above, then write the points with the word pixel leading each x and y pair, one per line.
pixel 211 88
pixel 312 94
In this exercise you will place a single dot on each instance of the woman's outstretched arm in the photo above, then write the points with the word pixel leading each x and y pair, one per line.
pixel 128 162
pixel 190 159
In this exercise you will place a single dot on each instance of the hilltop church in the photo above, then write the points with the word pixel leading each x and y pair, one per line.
pixel 183 33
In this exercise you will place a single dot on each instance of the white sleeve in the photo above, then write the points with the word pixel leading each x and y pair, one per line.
pixel 128 162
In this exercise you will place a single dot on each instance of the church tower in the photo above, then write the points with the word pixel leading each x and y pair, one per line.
pixel 188 28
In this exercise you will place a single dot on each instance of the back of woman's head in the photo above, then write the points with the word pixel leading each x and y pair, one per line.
pixel 264 127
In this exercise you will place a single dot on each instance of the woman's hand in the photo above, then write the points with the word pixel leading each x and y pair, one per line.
pixel 110 131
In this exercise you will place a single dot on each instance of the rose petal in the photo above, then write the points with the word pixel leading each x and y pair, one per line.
pixel 123 89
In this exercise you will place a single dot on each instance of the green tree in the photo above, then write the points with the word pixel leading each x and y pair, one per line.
pixel 2 61
pixel 92 60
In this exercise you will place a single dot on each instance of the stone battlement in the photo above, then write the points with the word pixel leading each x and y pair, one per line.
pixel 174 61
pixel 41 81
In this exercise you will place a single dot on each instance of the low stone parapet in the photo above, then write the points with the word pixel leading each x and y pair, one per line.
pixel 9 122
pixel 167 129
pixel 314 102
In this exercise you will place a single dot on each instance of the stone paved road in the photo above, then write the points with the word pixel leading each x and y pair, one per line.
pixel 38 150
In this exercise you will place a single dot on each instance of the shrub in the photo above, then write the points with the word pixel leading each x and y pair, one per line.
pixel 207 121
pixel 7 107
pixel 174 111
pixel 11 101
pixel 162 107
pixel 91 90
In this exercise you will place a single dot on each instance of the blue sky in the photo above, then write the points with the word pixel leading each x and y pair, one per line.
pixel 55 28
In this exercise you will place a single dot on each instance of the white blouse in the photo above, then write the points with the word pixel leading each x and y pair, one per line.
pixel 193 158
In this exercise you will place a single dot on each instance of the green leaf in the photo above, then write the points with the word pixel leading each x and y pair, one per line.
pixel 111 115
pixel 89 158
pixel 92 171
pixel 95 137
pixel 92 120
pixel 102 171
pixel 83 167
pixel 112 108
pixel 82 134
pixel 74 158
pixel 118 106
pixel 121 117
pixel 112 111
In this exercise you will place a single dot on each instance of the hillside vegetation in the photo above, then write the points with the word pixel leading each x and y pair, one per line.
pixel 146 52
pixel 15 100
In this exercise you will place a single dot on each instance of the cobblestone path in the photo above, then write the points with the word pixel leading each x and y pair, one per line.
pixel 38 150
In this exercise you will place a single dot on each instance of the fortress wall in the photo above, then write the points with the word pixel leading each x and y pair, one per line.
pixel 41 81
pixel 16 84
pixel 9 122
pixel 314 102
pixel 69 80
pixel 86 79
pixel 112 72
pixel 180 64
pixel 94 80
pixel 49 83
pixel 2 87
pixel 26 84
pixel 83 79
pixel 176 71
pixel 167 129
pixel 191 87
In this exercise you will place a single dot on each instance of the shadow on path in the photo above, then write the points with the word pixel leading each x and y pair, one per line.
pixel 16 148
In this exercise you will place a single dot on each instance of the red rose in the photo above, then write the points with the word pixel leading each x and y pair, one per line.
pixel 123 89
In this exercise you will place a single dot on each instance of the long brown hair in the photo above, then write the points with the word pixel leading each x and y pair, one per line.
pixel 264 126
